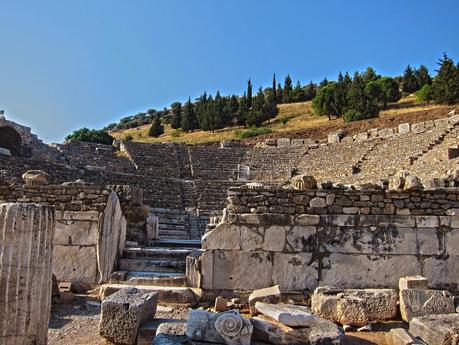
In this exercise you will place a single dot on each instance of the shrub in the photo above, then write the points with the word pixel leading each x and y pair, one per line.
pixel 176 133
pixel 253 132
pixel 91 135
pixel 128 137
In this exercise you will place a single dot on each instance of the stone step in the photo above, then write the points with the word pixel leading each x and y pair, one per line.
pixel 177 243
pixel 157 253
pixel 167 294
pixel 152 265
pixel 149 278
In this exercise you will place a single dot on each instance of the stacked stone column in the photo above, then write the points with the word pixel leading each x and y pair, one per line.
pixel 26 233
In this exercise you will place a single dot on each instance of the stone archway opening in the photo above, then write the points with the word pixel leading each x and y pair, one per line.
pixel 10 139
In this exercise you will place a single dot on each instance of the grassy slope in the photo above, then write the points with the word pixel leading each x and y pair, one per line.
pixel 299 117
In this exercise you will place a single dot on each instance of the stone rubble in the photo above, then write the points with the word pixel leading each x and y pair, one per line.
pixel 124 312
pixel 420 302
pixel 289 315
pixel 436 329
pixel 271 295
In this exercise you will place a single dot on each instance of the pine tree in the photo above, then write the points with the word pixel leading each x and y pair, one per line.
pixel 287 95
pixel 359 105
pixel 156 128
pixel 422 76
pixel 249 93
pixel 410 83
pixel 323 83
pixel 369 75
pixel 310 91
pixel 298 93
pixel 188 121
pixel 176 115
pixel 280 94
pixel 390 90
pixel 446 83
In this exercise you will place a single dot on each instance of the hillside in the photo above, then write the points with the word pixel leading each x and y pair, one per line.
pixel 298 120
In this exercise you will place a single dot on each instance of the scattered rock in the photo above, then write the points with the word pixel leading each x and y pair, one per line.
pixel 36 178
pixel 413 282
pixel 413 183
pixel 366 328
pixel 304 182
pixel 436 329
pixel 289 315
pixel 271 295
pixel 274 332
pixel 171 333
pixel 356 307
pixel 225 328
pixel 221 304
pixel 420 302
pixel 124 312
pixel 400 336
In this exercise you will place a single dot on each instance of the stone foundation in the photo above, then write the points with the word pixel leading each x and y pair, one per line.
pixel 26 233
pixel 351 239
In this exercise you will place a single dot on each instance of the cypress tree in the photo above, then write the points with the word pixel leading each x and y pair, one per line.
pixel 249 93
pixel 274 87
pixel 287 96
pixel 176 115
pixel 188 121
pixel 280 94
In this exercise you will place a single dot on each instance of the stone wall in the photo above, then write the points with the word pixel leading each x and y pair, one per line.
pixel 26 233
pixel 29 145
pixel 353 239
pixel 90 226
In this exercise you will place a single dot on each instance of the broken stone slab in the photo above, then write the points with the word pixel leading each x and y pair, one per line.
pixel 124 312
pixel 149 329
pixel 271 295
pixel 436 329
pixel 225 328
pixel 413 282
pixel 288 314
pixel 355 307
pixel 221 304
pixel 274 332
pixel 420 302
pixel 171 333
pixel 400 336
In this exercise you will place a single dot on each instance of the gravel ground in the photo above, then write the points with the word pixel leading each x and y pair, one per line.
pixel 77 323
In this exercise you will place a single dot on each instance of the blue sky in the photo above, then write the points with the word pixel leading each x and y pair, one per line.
pixel 69 64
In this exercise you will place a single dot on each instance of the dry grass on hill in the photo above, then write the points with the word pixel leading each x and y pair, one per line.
pixel 298 121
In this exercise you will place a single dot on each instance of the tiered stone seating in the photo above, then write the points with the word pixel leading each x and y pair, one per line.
pixel 394 154
pixel 273 164
pixel 334 162
pixel 159 160
pixel 215 163
pixel 95 156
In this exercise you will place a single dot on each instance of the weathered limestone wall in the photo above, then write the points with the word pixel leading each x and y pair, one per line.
pixel 90 226
pixel 354 239
pixel 26 233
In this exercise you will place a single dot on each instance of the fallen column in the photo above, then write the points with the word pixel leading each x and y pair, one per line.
pixel 26 233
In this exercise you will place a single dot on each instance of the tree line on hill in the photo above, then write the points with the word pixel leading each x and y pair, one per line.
pixel 353 98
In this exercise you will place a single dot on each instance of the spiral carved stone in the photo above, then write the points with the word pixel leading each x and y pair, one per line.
pixel 229 325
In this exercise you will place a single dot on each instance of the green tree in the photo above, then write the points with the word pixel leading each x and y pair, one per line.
pixel 156 128
pixel 287 90
pixel 373 91
pixel 91 135
pixel 390 90
pixel 298 94
pixel 176 120
pixel 410 83
pixel 201 112
pixel 422 76
pixel 310 91
pixel 446 83
pixel 280 94
pixel 249 93
pixel 369 75
pixel 359 105
pixel 188 121
pixel 425 94
pixel 325 102
pixel 274 87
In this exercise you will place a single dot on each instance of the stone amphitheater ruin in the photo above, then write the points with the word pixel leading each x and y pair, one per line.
pixel 196 223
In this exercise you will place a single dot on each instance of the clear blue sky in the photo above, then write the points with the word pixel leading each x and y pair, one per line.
pixel 69 64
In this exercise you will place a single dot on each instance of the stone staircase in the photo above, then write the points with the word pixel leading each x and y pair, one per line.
pixel 161 263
